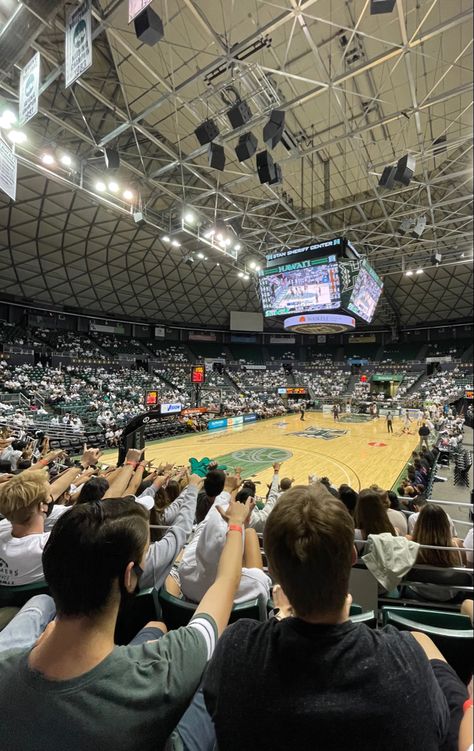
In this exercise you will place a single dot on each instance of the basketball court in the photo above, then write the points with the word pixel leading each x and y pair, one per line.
pixel 356 450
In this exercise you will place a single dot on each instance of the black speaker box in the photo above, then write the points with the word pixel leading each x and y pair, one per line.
pixel 265 167
pixel 216 156
pixel 381 6
pixel 112 159
pixel 387 179
pixel 239 114
pixel 206 132
pixel 148 27
pixel 405 169
pixel 273 130
pixel 276 177
pixel 246 147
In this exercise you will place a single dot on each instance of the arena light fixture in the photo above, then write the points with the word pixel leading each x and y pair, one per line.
pixel 189 217
pixel 252 265
pixel 246 277
pixel 48 158
pixel 237 247
pixel 100 186
pixel 209 233
pixel 240 274
pixel 201 256
pixel 166 238
pixel 113 186
pixel 409 272
pixel 419 271
pixel 258 268
pixel 175 243
pixel 17 136
pixel 65 160
pixel 7 119
pixel 128 194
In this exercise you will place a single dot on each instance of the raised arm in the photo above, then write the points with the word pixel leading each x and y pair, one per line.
pixel 219 598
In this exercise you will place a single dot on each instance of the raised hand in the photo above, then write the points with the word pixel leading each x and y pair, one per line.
pixel 134 455
pixel 236 512
pixel 90 456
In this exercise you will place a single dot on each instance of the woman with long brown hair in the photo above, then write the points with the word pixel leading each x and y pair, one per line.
pixel 433 528
pixel 370 516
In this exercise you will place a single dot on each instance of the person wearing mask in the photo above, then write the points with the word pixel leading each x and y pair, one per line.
pixel 72 679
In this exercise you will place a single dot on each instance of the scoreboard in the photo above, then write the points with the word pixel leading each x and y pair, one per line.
pixel 198 374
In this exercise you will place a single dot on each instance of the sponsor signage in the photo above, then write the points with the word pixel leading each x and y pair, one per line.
pixel 295 391
pixel 219 423
pixel 170 409
pixel 8 164
pixel 235 420
pixel 194 411
pixel 250 418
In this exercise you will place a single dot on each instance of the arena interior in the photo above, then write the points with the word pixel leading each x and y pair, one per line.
pixel 236 375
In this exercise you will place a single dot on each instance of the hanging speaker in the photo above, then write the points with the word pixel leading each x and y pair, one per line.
pixel 112 159
pixel 206 132
pixel 381 6
pixel 387 179
pixel 216 156
pixel 148 27
pixel 405 169
pixel 246 147
pixel 239 114
pixel 276 177
pixel 273 130
pixel 265 167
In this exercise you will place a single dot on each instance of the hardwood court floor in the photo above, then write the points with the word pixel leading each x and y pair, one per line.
pixel 356 453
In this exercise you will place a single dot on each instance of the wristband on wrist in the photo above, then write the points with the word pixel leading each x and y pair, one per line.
pixel 467 705
pixel 235 528
pixel 131 464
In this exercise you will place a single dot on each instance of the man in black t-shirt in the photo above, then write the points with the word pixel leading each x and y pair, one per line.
pixel 424 432
pixel 314 679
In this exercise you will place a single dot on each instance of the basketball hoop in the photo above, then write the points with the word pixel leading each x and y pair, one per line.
pixel 319 323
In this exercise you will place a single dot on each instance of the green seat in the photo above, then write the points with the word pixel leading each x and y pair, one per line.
pixel 136 614
pixel 177 612
pixel 17 596
pixel 451 632
pixel 368 617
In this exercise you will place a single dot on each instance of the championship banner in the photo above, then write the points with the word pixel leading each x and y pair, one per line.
pixel 8 163
pixel 29 90
pixel 78 42
pixel 135 7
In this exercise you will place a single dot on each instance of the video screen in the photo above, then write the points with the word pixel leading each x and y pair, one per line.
pixel 365 296
pixel 312 286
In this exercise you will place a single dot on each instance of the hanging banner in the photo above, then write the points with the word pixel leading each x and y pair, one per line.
pixel 78 42
pixel 8 162
pixel 29 90
pixel 135 7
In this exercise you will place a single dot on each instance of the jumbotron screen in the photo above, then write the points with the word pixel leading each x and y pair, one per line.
pixel 367 290
pixel 300 287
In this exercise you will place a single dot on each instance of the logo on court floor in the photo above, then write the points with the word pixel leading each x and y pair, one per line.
pixel 327 434
pixel 376 443
pixel 253 460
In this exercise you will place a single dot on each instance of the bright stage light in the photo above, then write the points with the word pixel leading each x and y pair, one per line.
pixel 237 247
pixel 240 274
pixel 252 264
pixel 7 119
pixel 165 238
pixel 419 271
pixel 17 136
pixel 200 255
pixel 47 158
pixel 113 186
pixel 409 272
pixel 176 243
pixel 100 186
pixel 189 217
pixel 66 160
pixel 128 195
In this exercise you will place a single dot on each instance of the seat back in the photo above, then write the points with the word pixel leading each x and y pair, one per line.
pixel 369 618
pixel 17 596
pixel 177 612
pixel 364 588
pixel 451 632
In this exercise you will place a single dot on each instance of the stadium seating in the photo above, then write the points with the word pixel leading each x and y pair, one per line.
pixel 177 612
pixel 451 632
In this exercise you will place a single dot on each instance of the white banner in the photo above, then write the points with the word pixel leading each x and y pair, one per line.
pixel 135 7
pixel 8 163
pixel 78 42
pixel 321 338
pixel 160 332
pixel 282 339
pixel 29 88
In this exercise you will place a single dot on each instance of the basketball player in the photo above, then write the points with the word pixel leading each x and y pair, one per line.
pixel 302 411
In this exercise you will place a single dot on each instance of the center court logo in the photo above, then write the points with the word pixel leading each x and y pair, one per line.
pixel 326 434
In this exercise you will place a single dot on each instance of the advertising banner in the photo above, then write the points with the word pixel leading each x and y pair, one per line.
pixel 169 409
pixel 250 418
pixel 238 420
pixel 219 423
pixel 29 88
